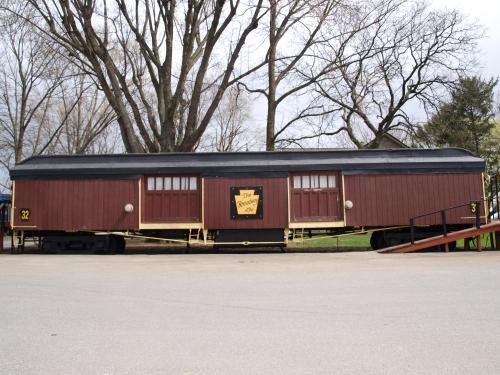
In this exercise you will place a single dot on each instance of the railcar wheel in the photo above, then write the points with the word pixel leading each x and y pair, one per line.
pixel 120 245
pixel 48 246
pixel 377 240
pixel 116 245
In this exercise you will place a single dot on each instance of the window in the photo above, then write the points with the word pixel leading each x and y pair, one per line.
pixel 192 183
pixel 305 182
pixel 331 182
pixel 323 182
pixel 314 181
pixel 184 183
pixel 169 183
pixel 296 182
pixel 176 183
pixel 159 183
pixel 151 183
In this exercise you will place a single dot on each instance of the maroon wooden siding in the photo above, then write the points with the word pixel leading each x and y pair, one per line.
pixel 218 206
pixel 316 204
pixel 96 204
pixel 385 200
pixel 171 206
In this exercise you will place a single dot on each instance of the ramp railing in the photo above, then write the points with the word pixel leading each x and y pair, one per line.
pixel 475 208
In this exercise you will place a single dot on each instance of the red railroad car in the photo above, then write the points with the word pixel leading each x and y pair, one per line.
pixel 263 198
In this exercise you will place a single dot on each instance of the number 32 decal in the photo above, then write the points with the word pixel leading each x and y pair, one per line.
pixel 25 214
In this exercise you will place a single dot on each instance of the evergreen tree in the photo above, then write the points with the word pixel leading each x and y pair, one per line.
pixel 466 120
pixel 491 150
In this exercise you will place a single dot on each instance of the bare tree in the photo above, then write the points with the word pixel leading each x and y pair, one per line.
pixel 152 59
pixel 45 106
pixel 229 131
pixel 294 27
pixel 408 56
pixel 84 117
pixel 29 80
pixel 309 40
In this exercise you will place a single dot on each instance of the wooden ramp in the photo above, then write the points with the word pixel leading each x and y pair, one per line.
pixel 493 227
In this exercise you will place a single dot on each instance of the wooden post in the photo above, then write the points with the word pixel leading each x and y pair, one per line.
pixel 497 240
pixel 478 214
pixel 467 244
pixel 412 231
pixel 446 247
pixel 478 239
pixel 443 223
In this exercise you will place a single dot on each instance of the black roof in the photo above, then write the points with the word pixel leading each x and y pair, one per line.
pixel 250 163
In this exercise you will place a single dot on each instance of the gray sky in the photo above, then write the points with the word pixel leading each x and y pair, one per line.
pixel 486 13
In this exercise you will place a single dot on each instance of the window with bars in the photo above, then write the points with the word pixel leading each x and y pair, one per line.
pixel 314 182
pixel 172 183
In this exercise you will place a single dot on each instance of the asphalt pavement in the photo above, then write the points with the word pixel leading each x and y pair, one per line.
pixel 187 314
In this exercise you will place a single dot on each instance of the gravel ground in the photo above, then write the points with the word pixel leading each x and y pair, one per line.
pixel 267 313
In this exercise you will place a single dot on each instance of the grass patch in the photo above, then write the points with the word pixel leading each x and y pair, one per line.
pixel 486 242
pixel 362 241
pixel 345 241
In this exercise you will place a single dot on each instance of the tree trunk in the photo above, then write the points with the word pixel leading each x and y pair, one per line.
pixel 271 67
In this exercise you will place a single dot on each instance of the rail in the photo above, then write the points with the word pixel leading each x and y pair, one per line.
pixel 475 207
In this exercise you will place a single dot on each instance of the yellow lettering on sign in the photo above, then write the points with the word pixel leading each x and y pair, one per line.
pixel 247 202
